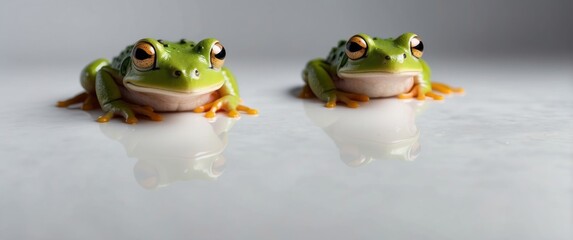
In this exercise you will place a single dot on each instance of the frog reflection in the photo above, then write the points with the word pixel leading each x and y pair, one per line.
pixel 381 130
pixel 185 147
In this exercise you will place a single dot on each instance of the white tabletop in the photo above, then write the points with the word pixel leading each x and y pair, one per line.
pixel 495 163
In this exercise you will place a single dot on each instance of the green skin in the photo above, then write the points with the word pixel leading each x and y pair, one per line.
pixel 183 78
pixel 387 69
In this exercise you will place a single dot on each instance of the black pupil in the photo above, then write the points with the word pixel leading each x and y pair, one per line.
pixel 419 47
pixel 141 54
pixel 353 47
pixel 221 55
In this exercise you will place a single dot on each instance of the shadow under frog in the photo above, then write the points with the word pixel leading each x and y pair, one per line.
pixel 381 130
pixel 186 147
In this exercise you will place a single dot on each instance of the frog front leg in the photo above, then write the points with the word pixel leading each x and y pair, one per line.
pixel 318 78
pixel 229 100
pixel 112 104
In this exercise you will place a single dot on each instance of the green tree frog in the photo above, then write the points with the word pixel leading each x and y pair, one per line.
pixel 365 67
pixel 155 75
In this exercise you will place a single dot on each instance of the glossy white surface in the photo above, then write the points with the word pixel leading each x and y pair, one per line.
pixel 495 163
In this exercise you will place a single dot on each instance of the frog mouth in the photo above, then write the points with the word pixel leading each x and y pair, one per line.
pixel 377 75
pixel 376 84
pixel 173 93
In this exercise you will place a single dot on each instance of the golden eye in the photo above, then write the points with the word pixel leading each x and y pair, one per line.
pixel 356 47
pixel 143 56
pixel 416 47
pixel 218 54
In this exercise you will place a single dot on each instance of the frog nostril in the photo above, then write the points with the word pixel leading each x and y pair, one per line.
pixel 387 57
pixel 196 72
pixel 177 73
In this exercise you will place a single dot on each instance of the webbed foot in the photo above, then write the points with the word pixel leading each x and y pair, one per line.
pixel 89 101
pixel 306 92
pixel 230 104
pixel 417 93
pixel 128 111
pixel 350 99
pixel 446 89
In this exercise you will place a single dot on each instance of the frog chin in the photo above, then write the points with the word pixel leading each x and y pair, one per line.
pixel 376 84
pixel 162 100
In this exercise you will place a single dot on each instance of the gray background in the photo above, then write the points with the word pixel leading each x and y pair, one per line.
pixel 52 32
pixel 495 163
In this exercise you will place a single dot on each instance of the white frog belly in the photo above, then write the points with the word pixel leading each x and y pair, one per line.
pixel 168 103
pixel 376 84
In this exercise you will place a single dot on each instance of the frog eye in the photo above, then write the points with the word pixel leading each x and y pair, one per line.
pixel 143 56
pixel 416 47
pixel 218 54
pixel 356 47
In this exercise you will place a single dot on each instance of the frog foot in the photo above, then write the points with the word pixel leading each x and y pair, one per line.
pixel 306 92
pixel 128 111
pixel 230 104
pixel 420 95
pixel 446 89
pixel 350 99
pixel 89 101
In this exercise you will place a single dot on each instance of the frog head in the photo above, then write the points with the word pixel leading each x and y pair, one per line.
pixel 381 67
pixel 174 68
